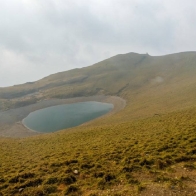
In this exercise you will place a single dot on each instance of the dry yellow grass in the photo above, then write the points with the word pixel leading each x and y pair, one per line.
pixel 148 148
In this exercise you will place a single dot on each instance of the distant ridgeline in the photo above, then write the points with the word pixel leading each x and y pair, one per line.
pixel 122 75
pixel 147 147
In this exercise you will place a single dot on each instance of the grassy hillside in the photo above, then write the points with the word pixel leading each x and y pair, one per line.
pixel 123 75
pixel 148 148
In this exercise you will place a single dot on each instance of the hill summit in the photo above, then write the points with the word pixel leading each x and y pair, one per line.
pixel 165 81
pixel 146 148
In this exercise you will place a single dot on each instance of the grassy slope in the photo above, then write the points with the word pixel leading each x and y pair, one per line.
pixel 147 148
pixel 131 73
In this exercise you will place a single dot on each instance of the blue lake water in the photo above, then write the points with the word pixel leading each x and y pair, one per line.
pixel 65 116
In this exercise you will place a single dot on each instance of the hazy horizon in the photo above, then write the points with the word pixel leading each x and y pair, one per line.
pixel 39 38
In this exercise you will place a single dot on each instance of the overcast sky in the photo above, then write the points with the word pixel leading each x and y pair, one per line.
pixel 41 37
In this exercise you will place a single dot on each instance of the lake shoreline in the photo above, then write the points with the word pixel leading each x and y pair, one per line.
pixel 16 129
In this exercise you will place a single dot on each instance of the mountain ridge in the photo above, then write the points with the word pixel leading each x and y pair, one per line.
pixel 117 75
pixel 147 148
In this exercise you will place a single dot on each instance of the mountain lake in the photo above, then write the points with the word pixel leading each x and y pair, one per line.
pixel 60 117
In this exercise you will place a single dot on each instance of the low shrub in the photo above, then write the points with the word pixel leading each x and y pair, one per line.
pixel 49 189
pixel 52 180
pixel 68 180
pixel 109 177
pixel 71 189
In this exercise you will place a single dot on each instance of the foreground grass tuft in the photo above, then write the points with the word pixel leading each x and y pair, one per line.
pixel 149 152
